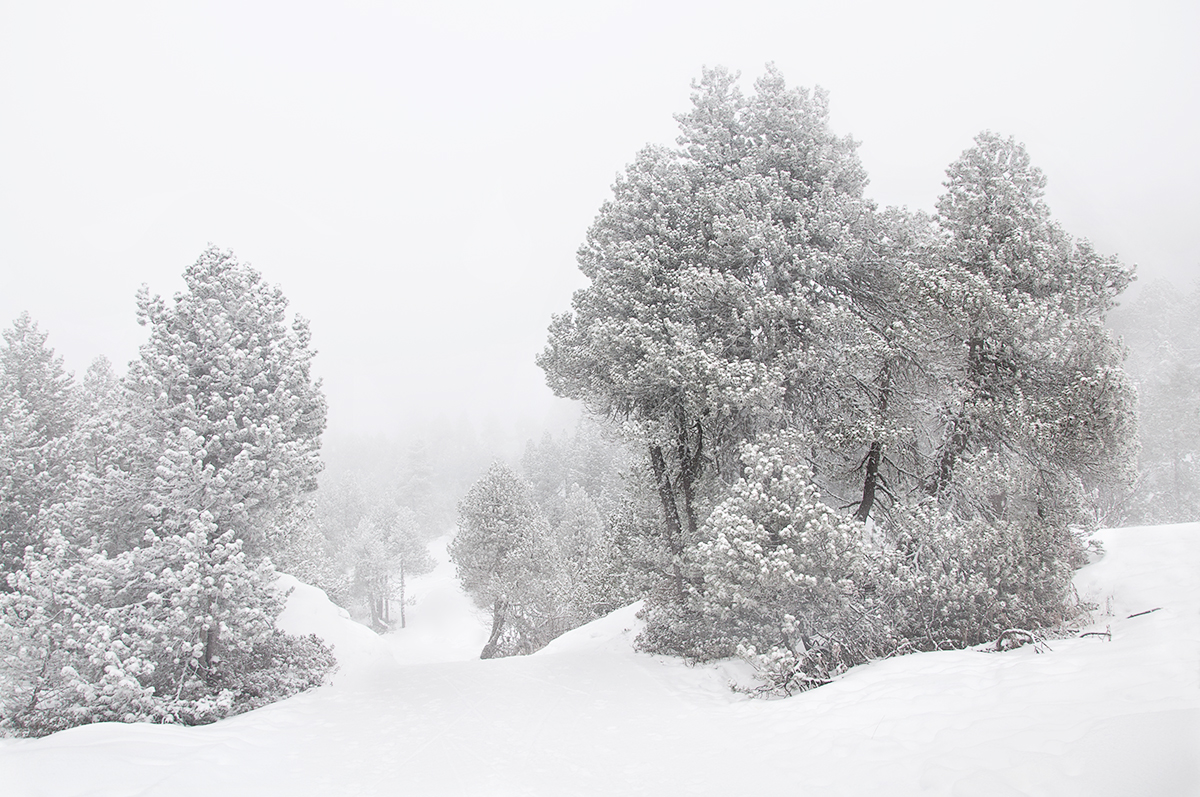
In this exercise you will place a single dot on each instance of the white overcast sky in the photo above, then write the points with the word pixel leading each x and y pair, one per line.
pixel 417 177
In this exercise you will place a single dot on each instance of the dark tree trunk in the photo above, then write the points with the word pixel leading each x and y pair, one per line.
pixel 958 438
pixel 691 466
pixel 210 646
pixel 492 649
pixel 953 449
pixel 666 494
pixel 870 482
pixel 874 454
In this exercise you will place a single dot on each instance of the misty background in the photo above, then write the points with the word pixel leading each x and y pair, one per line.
pixel 417 177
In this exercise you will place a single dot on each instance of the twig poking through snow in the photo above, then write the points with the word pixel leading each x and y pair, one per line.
pixel 1139 614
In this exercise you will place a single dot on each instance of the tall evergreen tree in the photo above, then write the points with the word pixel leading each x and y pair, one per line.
pixel 36 421
pixel 1040 383
pixel 708 269
pixel 223 363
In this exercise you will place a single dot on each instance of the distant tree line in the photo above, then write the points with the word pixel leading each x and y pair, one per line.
pixel 1159 330
pixel 561 542
pixel 367 546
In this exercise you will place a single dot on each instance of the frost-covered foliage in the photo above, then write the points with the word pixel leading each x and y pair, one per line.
pixel 950 379
pixel 505 559
pixel 959 582
pixel 1040 382
pixel 561 547
pixel 222 362
pixel 178 630
pixel 588 486
pixel 35 429
pixel 803 592
pixel 707 269
pixel 135 513
pixel 787 582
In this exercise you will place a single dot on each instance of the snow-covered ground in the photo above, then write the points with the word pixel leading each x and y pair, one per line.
pixel 416 713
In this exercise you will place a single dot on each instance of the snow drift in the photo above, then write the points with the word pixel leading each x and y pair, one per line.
pixel 1113 713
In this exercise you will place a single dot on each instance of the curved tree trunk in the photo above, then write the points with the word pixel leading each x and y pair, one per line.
pixel 492 649
pixel 691 467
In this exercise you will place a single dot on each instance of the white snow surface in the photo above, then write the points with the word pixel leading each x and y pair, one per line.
pixel 416 713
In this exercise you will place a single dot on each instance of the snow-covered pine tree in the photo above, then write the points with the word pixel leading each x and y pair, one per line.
pixel 180 629
pixel 505 560
pixel 706 270
pixel 1040 383
pixel 36 421
pixel 115 455
pixel 585 553
pixel 223 363
pixel 790 584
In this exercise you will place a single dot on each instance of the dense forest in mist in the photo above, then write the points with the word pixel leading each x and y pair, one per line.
pixel 814 433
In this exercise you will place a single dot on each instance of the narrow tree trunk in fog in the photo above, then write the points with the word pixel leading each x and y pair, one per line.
pixel 401 592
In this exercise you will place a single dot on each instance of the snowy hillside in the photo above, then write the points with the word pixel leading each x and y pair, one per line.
pixel 416 714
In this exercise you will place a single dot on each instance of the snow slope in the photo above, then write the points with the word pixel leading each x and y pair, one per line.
pixel 416 714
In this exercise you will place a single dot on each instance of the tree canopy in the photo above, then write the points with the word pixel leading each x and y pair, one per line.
pixel 223 367
pixel 741 288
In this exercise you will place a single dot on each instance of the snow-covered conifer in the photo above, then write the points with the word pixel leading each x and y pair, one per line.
pixel 706 269
pixel 1040 380
pixel 505 560
pixel 36 420
pixel 223 363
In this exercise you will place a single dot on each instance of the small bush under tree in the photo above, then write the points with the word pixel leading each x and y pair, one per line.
pixel 803 593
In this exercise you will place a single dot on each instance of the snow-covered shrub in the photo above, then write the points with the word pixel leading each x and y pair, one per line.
pixel 963 578
pixel 788 583
pixel 179 630
pixel 803 593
